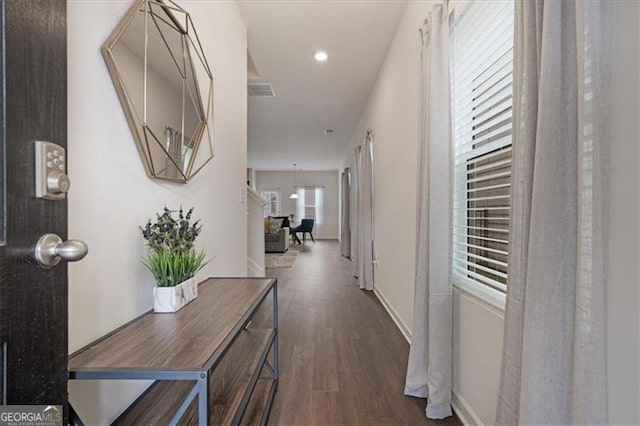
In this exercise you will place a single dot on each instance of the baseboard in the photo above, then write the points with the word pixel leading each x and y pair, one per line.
pixel 394 315
pixel 253 269
pixel 463 410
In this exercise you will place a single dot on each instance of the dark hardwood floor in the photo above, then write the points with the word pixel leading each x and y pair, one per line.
pixel 342 359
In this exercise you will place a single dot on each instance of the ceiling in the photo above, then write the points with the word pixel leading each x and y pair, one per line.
pixel 311 96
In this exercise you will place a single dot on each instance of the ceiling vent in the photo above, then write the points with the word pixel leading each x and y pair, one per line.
pixel 260 89
pixel 328 132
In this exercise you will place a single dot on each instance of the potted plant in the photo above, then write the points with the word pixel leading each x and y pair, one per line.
pixel 172 259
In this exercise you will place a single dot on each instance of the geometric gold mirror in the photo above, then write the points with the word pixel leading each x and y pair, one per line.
pixel 165 86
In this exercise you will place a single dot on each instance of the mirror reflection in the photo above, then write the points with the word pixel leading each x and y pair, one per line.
pixel 155 60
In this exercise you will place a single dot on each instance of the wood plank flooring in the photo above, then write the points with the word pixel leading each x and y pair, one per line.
pixel 342 359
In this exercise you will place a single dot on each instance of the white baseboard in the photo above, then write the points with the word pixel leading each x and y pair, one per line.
pixel 394 315
pixel 463 410
pixel 254 269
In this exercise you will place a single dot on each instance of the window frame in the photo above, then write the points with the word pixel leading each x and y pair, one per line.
pixel 275 191
pixel 318 205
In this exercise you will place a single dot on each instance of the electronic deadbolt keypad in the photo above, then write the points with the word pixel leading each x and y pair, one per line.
pixel 52 182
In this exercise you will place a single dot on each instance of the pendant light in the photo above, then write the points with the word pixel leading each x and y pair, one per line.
pixel 294 194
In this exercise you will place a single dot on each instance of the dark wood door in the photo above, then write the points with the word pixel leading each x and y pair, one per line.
pixel 33 300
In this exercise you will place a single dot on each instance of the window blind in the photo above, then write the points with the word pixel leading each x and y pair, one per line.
pixel 482 88
pixel 272 208
pixel 310 204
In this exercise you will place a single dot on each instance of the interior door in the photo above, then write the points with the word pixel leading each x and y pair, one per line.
pixel 33 299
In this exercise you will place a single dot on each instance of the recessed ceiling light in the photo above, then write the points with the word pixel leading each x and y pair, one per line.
pixel 321 56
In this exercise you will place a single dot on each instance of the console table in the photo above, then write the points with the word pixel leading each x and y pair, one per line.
pixel 210 365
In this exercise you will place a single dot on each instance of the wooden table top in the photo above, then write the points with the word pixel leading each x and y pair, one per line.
pixel 181 341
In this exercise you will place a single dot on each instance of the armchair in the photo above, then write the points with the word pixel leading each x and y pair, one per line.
pixel 306 227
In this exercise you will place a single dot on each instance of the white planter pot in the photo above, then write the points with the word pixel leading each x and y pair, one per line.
pixel 171 299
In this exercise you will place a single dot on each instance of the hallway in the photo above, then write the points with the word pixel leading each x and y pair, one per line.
pixel 342 358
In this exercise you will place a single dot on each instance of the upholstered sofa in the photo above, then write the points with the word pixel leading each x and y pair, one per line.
pixel 278 242
pixel 276 234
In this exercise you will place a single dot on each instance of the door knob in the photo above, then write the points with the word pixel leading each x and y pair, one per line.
pixel 50 249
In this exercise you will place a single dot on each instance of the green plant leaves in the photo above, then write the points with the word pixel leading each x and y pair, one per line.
pixel 172 268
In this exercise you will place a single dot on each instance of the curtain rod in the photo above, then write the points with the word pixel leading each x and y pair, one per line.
pixel 425 21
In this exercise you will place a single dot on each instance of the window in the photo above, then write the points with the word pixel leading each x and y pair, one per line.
pixel 482 89
pixel 272 208
pixel 309 205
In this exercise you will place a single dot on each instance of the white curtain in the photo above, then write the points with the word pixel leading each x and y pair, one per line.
pixel 355 228
pixel 345 229
pixel 553 367
pixel 319 209
pixel 310 205
pixel 174 166
pixel 300 213
pixel 365 253
pixel 429 370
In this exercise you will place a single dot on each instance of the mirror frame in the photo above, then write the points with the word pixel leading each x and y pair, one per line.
pixel 136 125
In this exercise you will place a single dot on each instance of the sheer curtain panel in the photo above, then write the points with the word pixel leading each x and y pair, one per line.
pixel 365 257
pixel 429 370
pixel 345 229
pixel 553 367
pixel 355 254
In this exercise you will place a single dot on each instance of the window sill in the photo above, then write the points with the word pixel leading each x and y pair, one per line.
pixel 483 294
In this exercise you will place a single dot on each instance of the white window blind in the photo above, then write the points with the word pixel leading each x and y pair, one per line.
pixel 272 208
pixel 310 204
pixel 482 89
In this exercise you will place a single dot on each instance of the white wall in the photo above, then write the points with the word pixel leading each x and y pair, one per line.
pixel 391 112
pixel 477 348
pixel 111 195
pixel 283 182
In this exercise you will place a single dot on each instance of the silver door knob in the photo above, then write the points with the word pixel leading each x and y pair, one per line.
pixel 50 249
